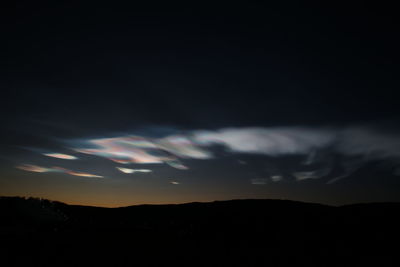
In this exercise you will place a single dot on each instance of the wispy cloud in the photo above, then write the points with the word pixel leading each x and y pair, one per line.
pixel 141 150
pixel 60 156
pixel 267 141
pixel 127 170
pixel 35 168
pixel 276 178
pixel 368 142
pixel 353 141
pixel 76 173
pixel 259 181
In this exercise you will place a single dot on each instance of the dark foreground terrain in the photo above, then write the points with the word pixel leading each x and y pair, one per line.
pixel 35 232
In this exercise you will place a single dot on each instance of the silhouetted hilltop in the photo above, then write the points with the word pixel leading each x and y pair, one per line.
pixel 27 214
pixel 251 232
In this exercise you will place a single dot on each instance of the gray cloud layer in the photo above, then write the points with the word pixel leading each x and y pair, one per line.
pixel 267 141
pixel 298 140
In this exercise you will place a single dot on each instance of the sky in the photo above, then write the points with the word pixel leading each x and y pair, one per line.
pixel 121 105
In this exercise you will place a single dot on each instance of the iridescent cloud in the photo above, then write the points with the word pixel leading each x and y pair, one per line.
pixel 83 174
pixel 131 149
pixel 136 149
pixel 60 156
pixel 35 168
pixel 360 143
pixel 182 146
pixel 127 170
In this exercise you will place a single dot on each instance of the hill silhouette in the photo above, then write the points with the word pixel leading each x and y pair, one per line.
pixel 40 232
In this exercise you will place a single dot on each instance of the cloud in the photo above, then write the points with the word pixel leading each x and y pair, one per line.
pixel 127 170
pixel 315 174
pixel 35 168
pixel 176 164
pixel 141 150
pixel 182 146
pixel 354 147
pixel 369 143
pixel 354 141
pixel 259 181
pixel 305 175
pixel 60 156
pixel 198 144
pixel 130 149
pixel 276 178
pixel 82 174
pixel 267 141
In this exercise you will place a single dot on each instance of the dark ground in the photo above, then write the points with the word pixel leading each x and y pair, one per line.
pixel 36 232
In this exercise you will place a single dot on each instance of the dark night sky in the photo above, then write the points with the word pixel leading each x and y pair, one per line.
pixel 295 101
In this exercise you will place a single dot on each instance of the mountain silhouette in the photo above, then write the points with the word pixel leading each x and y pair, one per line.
pixel 250 232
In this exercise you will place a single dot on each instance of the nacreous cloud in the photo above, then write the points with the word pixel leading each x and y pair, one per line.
pixel 197 144
pixel 268 141
pixel 126 170
pixel 360 144
pixel 136 149
pixel 34 168
pixel 60 156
